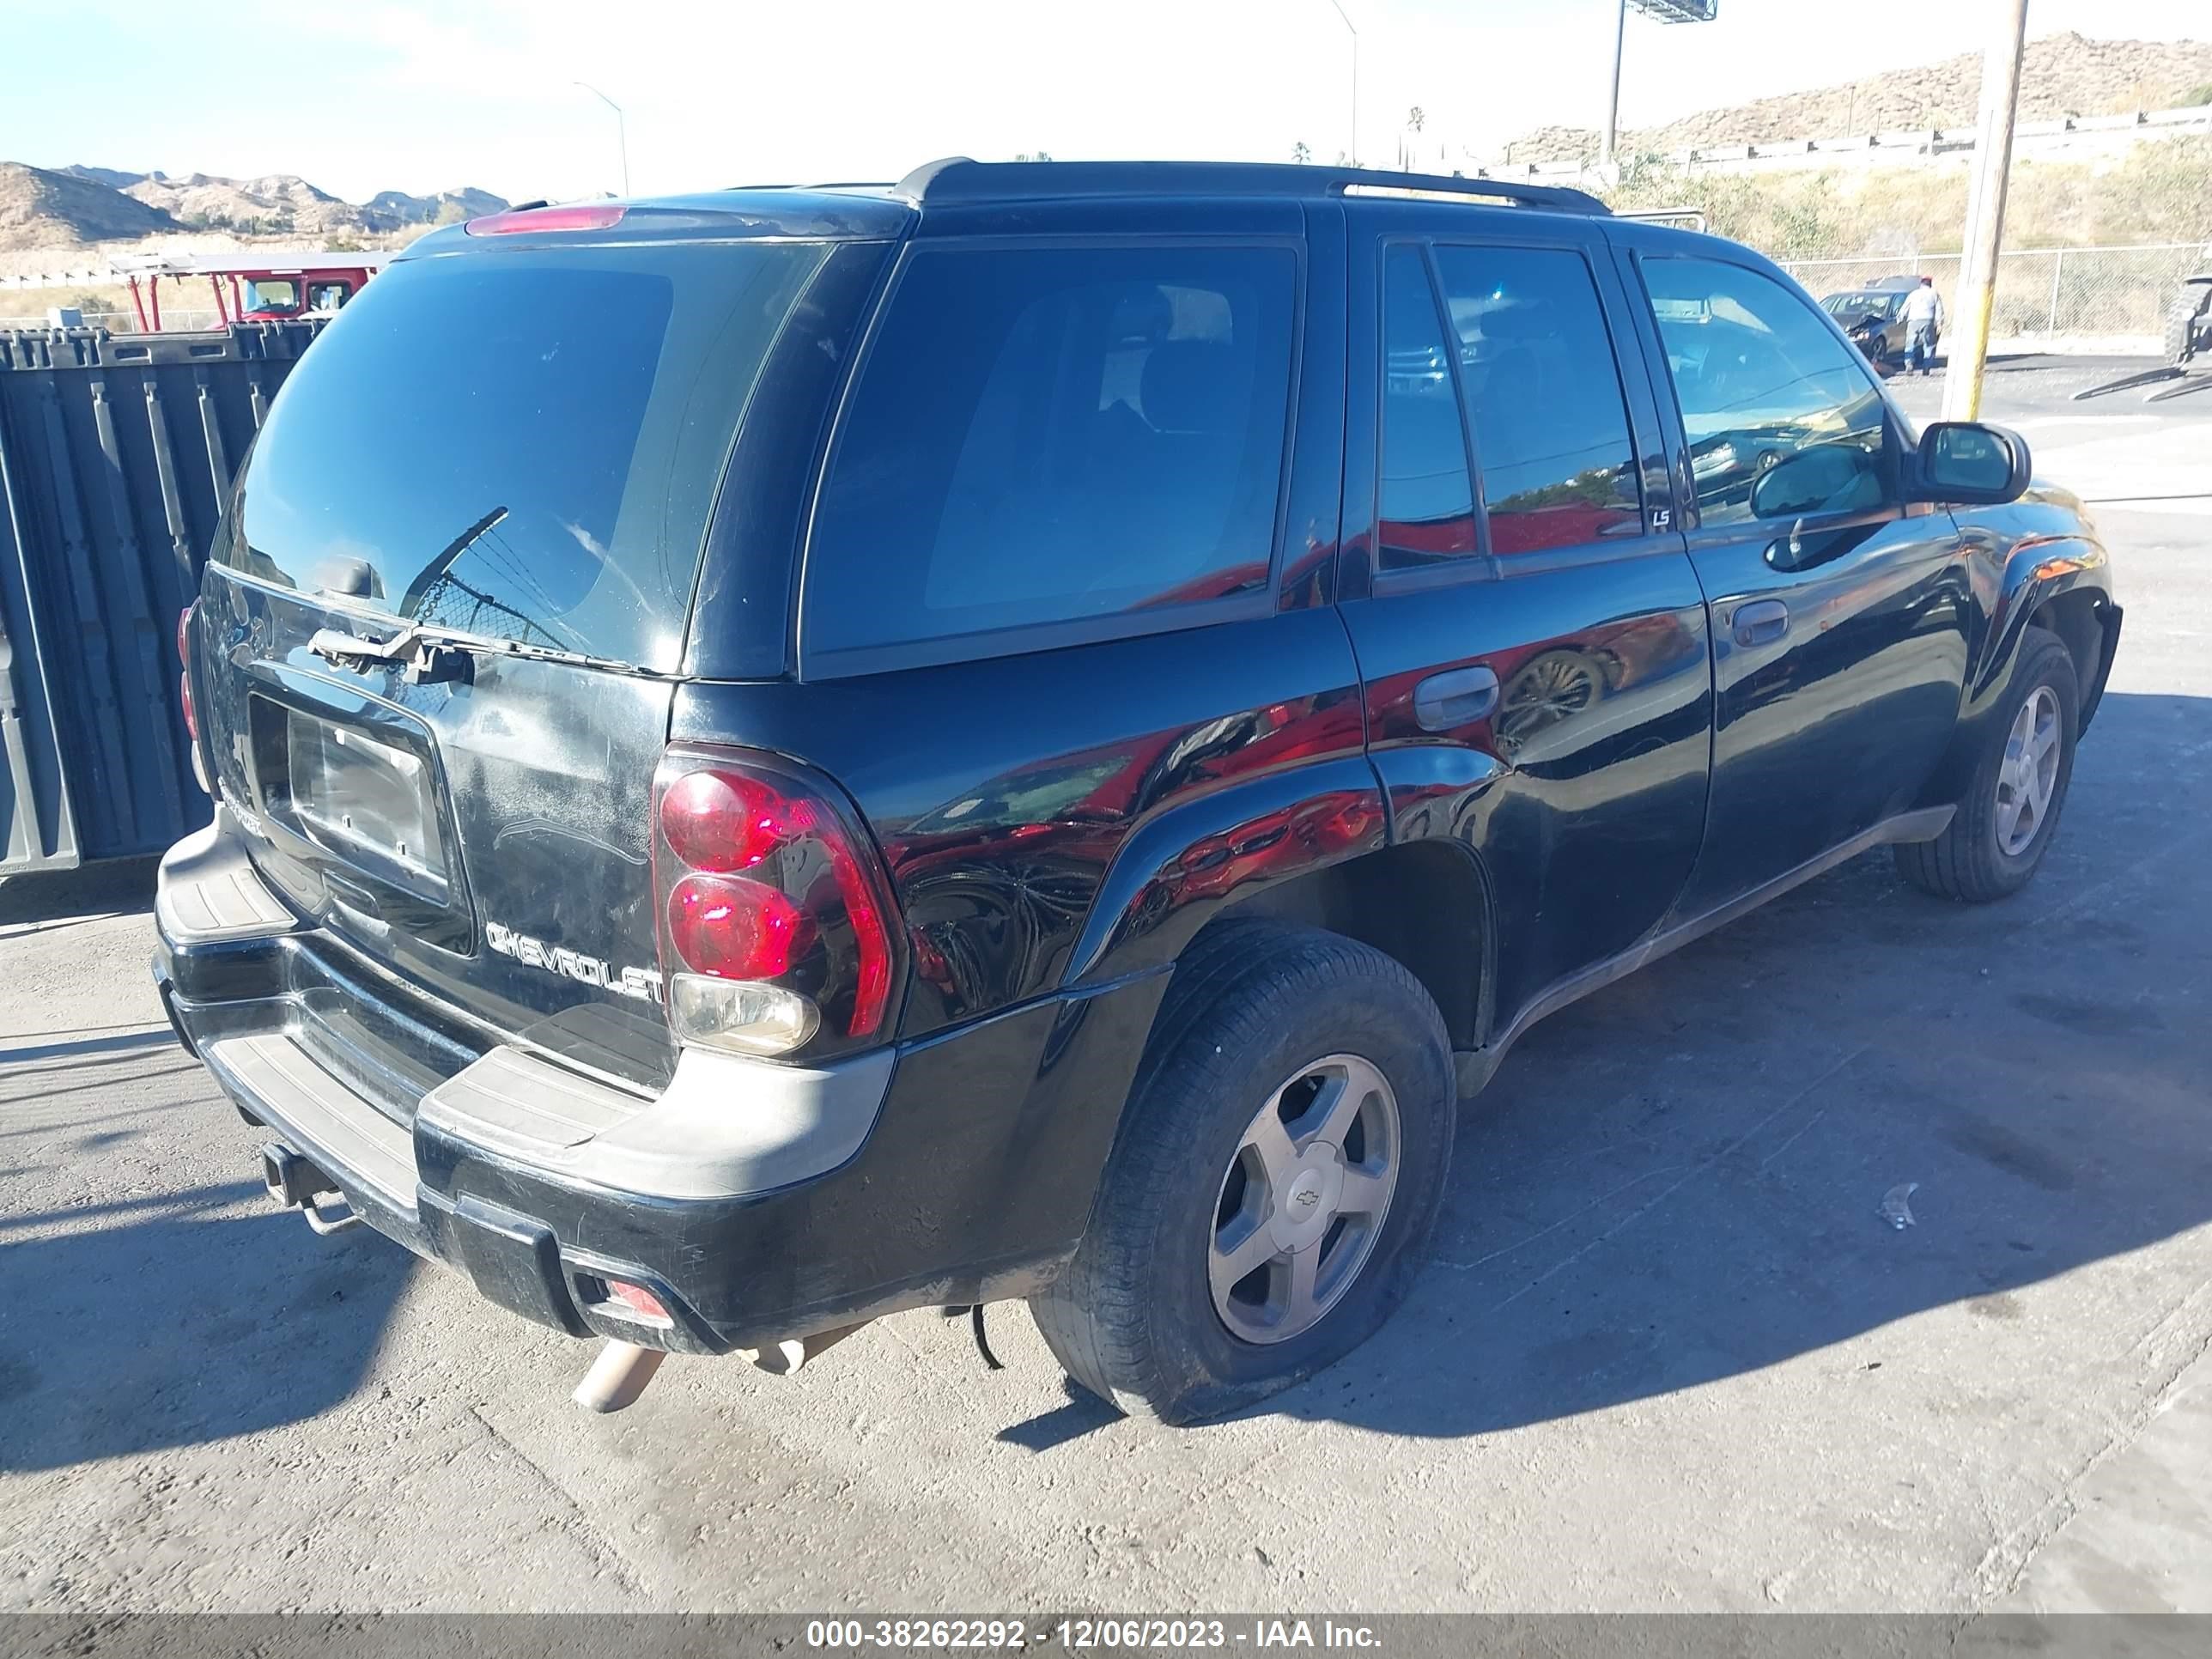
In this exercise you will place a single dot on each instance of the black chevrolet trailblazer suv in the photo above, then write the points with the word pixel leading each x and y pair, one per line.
pixel 791 754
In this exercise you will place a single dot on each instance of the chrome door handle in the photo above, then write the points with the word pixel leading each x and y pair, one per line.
pixel 1761 622
pixel 1458 697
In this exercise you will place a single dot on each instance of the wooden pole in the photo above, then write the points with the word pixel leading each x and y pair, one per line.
pixel 1977 270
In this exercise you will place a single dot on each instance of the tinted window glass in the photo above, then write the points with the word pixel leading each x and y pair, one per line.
pixel 1426 507
pixel 519 443
pixel 1761 381
pixel 1848 308
pixel 1046 434
pixel 1551 429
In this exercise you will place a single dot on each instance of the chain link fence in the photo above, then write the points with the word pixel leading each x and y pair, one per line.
pixel 2108 299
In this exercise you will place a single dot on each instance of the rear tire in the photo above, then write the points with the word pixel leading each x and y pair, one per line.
pixel 2180 322
pixel 1353 1045
pixel 2003 826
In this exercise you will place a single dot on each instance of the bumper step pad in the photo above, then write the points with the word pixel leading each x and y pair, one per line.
pixel 291 1091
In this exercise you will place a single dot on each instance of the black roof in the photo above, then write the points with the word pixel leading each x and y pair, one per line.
pixel 957 179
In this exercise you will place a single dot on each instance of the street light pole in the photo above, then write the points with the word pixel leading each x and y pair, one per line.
pixel 1610 154
pixel 622 130
pixel 1977 270
pixel 1355 81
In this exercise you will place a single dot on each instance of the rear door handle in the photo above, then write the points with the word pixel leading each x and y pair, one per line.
pixel 1458 697
pixel 1762 622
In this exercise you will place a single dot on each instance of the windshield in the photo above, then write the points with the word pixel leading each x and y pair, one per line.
pixel 1852 306
pixel 523 444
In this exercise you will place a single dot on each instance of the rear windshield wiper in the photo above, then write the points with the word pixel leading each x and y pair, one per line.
pixel 428 655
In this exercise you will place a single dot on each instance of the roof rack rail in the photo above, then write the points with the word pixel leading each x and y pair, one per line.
pixel 958 178
pixel 1685 218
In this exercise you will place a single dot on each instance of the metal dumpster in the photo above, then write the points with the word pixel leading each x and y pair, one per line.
pixel 116 455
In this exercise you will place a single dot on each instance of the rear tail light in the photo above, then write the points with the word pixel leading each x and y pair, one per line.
pixel 184 679
pixel 587 215
pixel 185 698
pixel 776 921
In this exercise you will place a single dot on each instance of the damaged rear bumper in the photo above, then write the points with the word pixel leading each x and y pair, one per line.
pixel 751 1201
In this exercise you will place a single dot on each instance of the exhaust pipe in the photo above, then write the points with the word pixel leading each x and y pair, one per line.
pixel 782 1358
pixel 623 1369
pixel 618 1376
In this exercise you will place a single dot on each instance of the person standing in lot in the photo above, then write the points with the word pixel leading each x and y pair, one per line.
pixel 1923 321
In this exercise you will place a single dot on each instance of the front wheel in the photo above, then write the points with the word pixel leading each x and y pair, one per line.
pixel 1280 1168
pixel 2003 826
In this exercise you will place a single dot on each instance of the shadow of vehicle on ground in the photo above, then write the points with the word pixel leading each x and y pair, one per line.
pixel 1680 1180
pixel 172 1321
pixel 62 898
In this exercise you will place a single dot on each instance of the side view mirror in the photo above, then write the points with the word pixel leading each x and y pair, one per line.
pixel 1968 464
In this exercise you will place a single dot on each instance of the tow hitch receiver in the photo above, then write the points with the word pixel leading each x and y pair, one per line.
pixel 298 1185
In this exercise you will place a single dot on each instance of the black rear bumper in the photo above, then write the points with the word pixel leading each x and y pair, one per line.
pixel 973 1180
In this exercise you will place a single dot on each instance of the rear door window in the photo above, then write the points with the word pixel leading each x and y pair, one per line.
pixel 522 443
pixel 1543 393
pixel 1056 434
pixel 1425 513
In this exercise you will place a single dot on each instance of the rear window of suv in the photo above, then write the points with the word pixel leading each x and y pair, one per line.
pixel 519 443
pixel 1053 434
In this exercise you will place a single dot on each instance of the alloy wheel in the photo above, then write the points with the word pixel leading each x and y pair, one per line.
pixel 2028 778
pixel 1303 1200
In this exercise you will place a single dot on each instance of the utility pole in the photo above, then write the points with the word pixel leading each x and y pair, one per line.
pixel 622 130
pixel 1355 81
pixel 1610 152
pixel 1977 270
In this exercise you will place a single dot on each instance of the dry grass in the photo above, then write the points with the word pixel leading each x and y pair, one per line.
pixel 2161 193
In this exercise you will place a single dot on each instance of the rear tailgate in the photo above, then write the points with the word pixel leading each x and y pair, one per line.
pixel 519 443
pixel 484 841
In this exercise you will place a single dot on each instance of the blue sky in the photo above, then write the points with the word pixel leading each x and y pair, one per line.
pixel 419 95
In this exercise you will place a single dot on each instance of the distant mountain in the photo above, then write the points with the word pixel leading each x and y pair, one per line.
pixel 40 208
pixel 389 209
pixel 108 176
pixel 277 202
pixel 2061 74
pixel 107 203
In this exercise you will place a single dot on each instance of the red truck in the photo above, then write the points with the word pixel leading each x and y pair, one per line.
pixel 249 289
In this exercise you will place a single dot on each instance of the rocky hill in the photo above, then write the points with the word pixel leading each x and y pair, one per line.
pixel 40 208
pixel 2061 75
pixel 388 209
pixel 76 205
pixel 113 177
pixel 276 202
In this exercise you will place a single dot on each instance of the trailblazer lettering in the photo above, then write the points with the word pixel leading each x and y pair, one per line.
pixel 643 983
